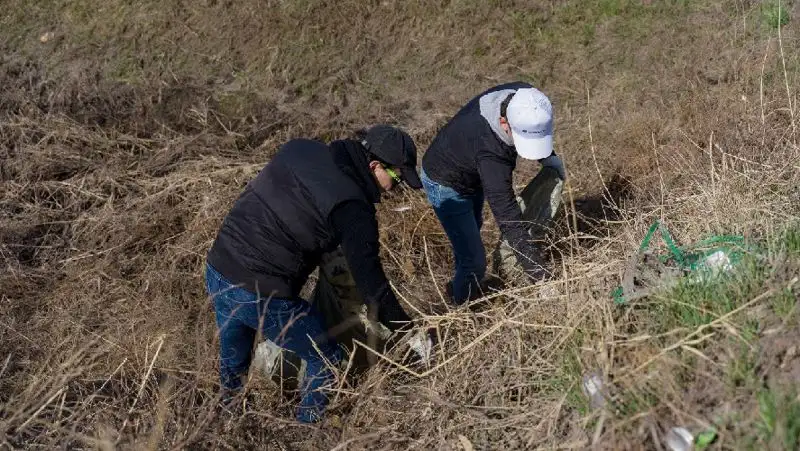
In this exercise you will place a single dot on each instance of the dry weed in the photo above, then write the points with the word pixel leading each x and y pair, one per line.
pixel 119 160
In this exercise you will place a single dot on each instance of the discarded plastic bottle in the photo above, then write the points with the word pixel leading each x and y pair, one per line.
pixel 679 439
pixel 593 389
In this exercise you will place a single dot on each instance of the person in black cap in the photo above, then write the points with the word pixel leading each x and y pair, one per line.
pixel 308 200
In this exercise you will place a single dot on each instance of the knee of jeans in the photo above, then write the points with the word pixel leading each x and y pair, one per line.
pixel 233 369
pixel 432 194
pixel 231 377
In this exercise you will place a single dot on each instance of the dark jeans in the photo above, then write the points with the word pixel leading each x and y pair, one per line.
pixel 461 217
pixel 289 323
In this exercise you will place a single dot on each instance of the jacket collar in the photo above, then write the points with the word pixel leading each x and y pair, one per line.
pixel 351 157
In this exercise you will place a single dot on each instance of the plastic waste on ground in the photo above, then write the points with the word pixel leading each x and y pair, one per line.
pixel 285 368
pixel 648 271
pixel 679 439
pixel 593 388
pixel 682 439
pixel 422 345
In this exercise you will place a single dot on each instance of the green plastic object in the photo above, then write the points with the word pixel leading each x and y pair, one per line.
pixel 706 258
pixel 705 438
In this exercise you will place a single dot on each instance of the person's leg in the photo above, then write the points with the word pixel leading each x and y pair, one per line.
pixel 488 283
pixel 235 337
pixel 477 206
pixel 294 325
pixel 291 324
pixel 458 218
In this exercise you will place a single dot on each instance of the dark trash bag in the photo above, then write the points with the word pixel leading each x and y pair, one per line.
pixel 337 298
pixel 539 201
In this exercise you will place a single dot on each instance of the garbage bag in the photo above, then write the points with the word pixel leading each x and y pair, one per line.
pixel 346 318
pixel 539 201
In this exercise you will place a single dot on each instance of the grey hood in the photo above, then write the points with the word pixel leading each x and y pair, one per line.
pixel 490 110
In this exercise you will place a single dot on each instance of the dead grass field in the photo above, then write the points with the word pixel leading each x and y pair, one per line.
pixel 127 129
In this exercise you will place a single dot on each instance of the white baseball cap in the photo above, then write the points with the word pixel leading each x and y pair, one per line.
pixel 530 116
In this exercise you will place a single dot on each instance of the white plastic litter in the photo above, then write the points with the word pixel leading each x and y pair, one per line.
pixel 593 389
pixel 718 261
pixel 422 345
pixel 266 357
pixel 679 439
pixel 267 360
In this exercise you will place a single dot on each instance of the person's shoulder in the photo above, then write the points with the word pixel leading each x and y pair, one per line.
pixel 301 149
pixel 490 92
pixel 296 144
pixel 344 142
pixel 520 84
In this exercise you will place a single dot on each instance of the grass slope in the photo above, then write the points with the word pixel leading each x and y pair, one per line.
pixel 127 130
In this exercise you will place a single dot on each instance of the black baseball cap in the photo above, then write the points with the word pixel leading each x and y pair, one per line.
pixel 396 148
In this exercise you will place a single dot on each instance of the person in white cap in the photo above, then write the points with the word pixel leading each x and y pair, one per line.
pixel 474 155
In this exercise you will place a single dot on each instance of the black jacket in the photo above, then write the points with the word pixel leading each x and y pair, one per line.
pixel 306 201
pixel 471 154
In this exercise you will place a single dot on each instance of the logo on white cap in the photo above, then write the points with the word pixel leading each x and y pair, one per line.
pixel 530 116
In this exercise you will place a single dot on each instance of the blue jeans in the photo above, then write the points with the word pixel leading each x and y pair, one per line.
pixel 461 217
pixel 286 322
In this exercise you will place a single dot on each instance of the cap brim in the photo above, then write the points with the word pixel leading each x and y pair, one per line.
pixel 533 148
pixel 411 178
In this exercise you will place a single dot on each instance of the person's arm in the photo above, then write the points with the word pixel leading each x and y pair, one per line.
pixel 357 227
pixel 497 180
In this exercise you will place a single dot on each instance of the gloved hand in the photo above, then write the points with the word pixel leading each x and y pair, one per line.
pixel 555 162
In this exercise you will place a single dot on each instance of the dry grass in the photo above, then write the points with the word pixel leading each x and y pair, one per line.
pixel 125 139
